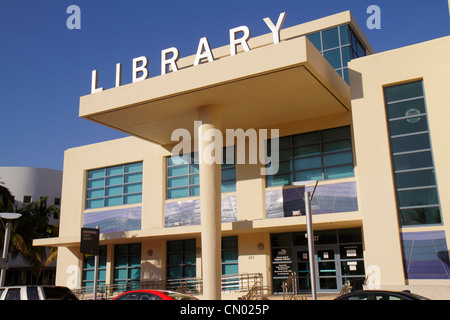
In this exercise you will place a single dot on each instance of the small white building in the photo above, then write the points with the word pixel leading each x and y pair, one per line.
pixel 28 184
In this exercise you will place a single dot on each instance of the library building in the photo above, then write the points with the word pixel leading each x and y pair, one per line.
pixel 251 165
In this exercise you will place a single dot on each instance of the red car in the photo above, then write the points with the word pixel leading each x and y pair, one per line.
pixel 154 295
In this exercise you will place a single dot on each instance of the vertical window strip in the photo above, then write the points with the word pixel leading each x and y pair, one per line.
pixel 411 152
pixel 230 265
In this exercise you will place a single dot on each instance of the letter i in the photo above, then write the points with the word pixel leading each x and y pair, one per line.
pixel 118 75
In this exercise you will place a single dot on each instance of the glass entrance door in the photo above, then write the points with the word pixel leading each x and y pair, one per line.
pixel 327 275
pixel 327 271
pixel 303 271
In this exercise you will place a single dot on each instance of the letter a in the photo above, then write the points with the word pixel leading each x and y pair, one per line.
pixel 374 21
pixel 203 51
pixel 74 21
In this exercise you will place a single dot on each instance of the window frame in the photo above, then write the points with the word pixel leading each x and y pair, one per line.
pixel 294 160
pixel 183 252
pixel 89 267
pixel 352 43
pixel 422 151
pixel 102 199
pixel 129 266
pixel 193 172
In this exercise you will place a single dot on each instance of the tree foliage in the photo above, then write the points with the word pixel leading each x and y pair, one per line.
pixel 33 224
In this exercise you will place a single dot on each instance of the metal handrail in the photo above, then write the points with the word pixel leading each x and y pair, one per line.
pixel 237 283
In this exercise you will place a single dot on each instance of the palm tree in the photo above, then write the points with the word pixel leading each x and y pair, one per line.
pixel 7 202
pixel 34 224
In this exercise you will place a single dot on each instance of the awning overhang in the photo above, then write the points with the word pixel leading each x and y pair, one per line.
pixel 270 85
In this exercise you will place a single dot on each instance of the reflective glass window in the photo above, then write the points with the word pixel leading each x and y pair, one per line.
pixel 330 38
pixel 334 58
pixel 316 40
pixel 89 269
pixel 181 259
pixel 127 264
pixel 114 186
pixel 338 45
pixel 183 178
pixel 317 155
pixel 411 150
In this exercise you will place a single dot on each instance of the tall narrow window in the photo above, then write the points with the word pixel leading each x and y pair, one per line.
pixel 89 269
pixel 230 255
pixel 127 265
pixel 412 158
pixel 230 263
pixel 181 259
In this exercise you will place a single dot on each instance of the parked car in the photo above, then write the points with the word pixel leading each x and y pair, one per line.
pixel 36 293
pixel 154 295
pixel 380 295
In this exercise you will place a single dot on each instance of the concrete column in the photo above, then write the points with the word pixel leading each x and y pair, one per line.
pixel 210 205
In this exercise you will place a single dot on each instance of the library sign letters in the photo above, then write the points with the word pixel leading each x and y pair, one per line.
pixel 170 56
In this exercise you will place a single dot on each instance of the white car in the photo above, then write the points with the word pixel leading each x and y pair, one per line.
pixel 36 293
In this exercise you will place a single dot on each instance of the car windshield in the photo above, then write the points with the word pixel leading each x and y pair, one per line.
pixel 418 297
pixel 58 293
pixel 180 296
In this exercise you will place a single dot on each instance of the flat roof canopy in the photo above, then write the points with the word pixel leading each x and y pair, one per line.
pixel 270 85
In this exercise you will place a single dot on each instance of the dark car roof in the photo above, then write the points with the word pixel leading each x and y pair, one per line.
pixel 405 293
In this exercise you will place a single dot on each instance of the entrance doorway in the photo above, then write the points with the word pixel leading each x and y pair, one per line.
pixel 338 258
pixel 328 273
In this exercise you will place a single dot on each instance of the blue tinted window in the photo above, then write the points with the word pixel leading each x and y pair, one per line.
pixel 183 175
pixel 330 38
pixel 317 155
pixel 346 43
pixel 230 264
pixel 414 176
pixel 316 41
pixel 89 270
pixel 334 58
pixel 114 186
pixel 127 264
pixel 181 259
pixel 345 31
pixel 405 91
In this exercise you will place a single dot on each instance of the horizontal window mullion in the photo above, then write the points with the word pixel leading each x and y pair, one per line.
pixel 413 170
pixel 410 134
pixel 411 152
pixel 417 188
pixel 406 100
pixel 408 117
pixel 338 165
pixel 420 206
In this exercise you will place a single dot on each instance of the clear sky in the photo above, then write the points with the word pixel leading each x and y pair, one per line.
pixel 45 67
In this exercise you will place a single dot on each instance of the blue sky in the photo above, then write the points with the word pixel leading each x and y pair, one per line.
pixel 45 67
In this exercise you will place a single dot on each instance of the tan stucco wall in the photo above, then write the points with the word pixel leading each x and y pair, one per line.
pixel 429 62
